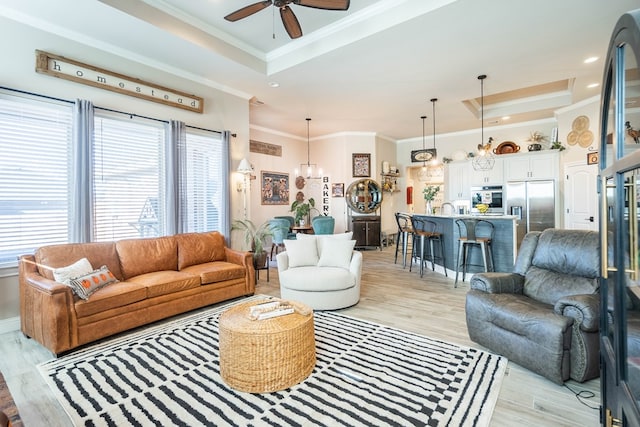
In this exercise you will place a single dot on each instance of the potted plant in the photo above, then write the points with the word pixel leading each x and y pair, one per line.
pixel 429 193
pixel 254 238
pixel 302 210
pixel 557 145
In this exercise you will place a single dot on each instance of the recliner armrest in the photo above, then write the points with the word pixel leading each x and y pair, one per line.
pixel 497 283
pixel 585 309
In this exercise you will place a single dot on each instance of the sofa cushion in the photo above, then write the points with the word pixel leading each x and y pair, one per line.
pixel 301 252
pixel 77 269
pixel 110 297
pixel 140 256
pixel 548 287
pixel 87 284
pixel 166 282
pixel 317 279
pixel 199 248
pixel 54 256
pixel 219 271
pixel 336 253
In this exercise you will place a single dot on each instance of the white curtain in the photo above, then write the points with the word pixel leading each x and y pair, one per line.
pixel 225 221
pixel 174 180
pixel 81 183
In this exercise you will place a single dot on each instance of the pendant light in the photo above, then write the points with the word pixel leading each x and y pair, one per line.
pixel 484 160
pixel 434 159
pixel 312 170
pixel 424 147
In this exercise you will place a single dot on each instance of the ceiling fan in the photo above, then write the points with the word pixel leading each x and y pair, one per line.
pixel 289 19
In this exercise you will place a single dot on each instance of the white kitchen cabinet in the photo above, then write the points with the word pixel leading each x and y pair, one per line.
pixel 532 166
pixel 493 176
pixel 457 181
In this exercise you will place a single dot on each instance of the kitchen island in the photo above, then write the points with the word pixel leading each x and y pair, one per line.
pixel 504 246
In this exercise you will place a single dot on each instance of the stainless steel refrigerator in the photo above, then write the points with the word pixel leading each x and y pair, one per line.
pixel 533 202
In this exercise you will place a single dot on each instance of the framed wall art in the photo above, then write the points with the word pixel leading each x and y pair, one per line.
pixel 361 163
pixel 337 190
pixel 274 188
pixel 592 158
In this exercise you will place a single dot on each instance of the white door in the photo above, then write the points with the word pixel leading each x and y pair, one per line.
pixel 581 198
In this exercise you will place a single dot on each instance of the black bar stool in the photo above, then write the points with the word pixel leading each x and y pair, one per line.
pixel 404 231
pixel 424 229
pixel 474 233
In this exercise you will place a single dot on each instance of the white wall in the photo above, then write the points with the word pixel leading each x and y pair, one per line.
pixel 334 154
pixel 18 44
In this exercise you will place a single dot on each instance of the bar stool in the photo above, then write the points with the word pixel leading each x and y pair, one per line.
pixel 425 229
pixel 474 233
pixel 404 231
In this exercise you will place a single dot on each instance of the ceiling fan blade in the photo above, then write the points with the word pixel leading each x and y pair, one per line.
pixel 247 10
pixel 290 22
pixel 324 4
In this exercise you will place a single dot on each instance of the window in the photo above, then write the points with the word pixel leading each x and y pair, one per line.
pixel 129 197
pixel 203 181
pixel 35 139
pixel 128 178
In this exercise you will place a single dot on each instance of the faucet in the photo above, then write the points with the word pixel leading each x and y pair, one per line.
pixel 453 208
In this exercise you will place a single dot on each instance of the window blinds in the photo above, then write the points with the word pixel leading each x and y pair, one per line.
pixel 34 175
pixel 128 178
pixel 202 182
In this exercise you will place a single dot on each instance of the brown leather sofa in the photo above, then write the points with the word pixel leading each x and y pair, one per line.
pixel 158 278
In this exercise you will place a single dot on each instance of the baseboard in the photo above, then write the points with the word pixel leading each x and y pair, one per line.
pixel 11 324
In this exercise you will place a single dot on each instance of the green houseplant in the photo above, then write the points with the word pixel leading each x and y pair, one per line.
pixel 254 238
pixel 302 209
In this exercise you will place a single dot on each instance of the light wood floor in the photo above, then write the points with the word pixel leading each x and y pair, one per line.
pixel 392 296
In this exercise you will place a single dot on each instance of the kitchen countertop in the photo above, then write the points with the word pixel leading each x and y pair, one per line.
pixel 474 216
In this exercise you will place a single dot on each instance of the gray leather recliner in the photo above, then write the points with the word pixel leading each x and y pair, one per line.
pixel 545 315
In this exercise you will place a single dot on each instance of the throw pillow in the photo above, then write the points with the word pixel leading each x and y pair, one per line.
pixel 301 252
pixel 85 285
pixel 336 253
pixel 321 238
pixel 78 268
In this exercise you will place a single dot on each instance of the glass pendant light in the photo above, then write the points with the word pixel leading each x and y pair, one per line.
pixel 424 149
pixel 312 170
pixel 484 160
pixel 434 159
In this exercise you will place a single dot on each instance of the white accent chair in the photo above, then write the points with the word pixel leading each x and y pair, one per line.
pixel 320 271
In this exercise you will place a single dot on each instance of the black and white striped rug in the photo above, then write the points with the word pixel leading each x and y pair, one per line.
pixel 366 375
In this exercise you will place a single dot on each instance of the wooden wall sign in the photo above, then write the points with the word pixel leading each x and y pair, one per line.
pixel 69 69
pixel 265 148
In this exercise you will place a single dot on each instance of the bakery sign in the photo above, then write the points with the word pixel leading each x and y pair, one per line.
pixel 68 69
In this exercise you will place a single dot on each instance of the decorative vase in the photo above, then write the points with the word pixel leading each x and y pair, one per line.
pixel 428 208
pixel 385 167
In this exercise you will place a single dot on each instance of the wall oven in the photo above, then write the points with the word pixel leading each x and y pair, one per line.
pixel 489 195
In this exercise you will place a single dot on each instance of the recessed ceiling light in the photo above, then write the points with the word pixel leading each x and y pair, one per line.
pixel 506 117
pixel 592 85
pixel 591 59
pixel 274 84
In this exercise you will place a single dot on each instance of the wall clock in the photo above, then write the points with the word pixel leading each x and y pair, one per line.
pixel 423 155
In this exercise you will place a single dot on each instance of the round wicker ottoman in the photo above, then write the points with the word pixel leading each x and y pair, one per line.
pixel 261 356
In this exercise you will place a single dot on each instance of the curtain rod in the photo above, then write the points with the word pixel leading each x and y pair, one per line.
pixel 36 94
pixel 100 108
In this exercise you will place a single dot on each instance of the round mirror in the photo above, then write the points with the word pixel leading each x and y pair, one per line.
pixel 364 195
